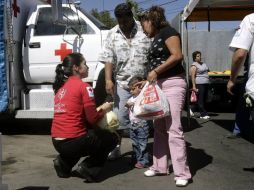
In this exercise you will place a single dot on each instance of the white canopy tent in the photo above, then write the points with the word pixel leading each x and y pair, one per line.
pixel 209 10
pixel 217 10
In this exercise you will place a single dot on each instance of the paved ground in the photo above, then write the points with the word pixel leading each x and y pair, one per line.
pixel 216 162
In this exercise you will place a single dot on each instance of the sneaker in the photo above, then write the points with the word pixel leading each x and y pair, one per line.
pixel 191 113
pixel 152 173
pixel 139 165
pixel 62 170
pixel 205 117
pixel 181 182
pixel 115 154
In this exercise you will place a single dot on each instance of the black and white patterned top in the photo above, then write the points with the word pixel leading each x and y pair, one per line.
pixel 128 56
pixel 159 53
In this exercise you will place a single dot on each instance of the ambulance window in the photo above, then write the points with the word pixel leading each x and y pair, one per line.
pixel 73 23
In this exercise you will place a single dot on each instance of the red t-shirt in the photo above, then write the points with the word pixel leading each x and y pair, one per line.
pixel 74 108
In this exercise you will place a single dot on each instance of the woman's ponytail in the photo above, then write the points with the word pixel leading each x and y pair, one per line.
pixel 60 78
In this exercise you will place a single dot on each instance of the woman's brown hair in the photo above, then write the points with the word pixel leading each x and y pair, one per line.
pixel 157 17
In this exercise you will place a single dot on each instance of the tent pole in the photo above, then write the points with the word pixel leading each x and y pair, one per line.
pixel 208 19
pixel 186 63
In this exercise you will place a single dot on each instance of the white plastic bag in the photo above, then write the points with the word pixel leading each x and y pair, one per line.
pixel 151 103
pixel 109 122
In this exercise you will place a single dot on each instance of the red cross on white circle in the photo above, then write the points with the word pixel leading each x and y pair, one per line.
pixel 15 8
pixel 63 51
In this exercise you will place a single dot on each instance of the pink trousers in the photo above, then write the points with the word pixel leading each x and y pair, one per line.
pixel 168 131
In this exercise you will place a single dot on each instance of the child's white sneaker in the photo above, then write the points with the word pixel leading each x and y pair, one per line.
pixel 181 182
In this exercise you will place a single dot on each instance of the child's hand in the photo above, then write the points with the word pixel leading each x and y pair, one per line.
pixel 129 104
pixel 140 84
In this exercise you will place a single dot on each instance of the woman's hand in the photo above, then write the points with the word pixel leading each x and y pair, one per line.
pixel 107 106
pixel 152 76
pixel 195 89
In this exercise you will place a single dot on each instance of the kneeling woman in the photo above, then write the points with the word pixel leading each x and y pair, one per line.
pixel 74 131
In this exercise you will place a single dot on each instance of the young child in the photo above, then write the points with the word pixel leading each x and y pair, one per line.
pixel 139 130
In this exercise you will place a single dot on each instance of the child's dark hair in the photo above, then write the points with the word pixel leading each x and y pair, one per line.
pixel 65 69
pixel 194 55
pixel 134 79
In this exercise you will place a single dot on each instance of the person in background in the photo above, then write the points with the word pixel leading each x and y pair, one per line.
pixel 165 56
pixel 242 115
pixel 124 55
pixel 200 81
pixel 74 131
pixel 242 44
pixel 139 130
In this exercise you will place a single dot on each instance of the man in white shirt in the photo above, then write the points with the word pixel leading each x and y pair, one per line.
pixel 124 55
pixel 242 44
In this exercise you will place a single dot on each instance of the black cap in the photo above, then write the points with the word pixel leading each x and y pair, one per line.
pixel 122 10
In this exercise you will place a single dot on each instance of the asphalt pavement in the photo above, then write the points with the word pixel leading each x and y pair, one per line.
pixel 216 162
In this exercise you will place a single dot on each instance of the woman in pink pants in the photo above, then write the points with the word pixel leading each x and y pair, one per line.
pixel 165 56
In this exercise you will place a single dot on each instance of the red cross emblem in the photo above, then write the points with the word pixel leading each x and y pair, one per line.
pixel 63 51
pixel 90 91
pixel 15 8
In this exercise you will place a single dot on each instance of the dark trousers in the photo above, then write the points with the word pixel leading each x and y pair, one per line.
pixel 252 114
pixel 251 109
pixel 96 144
pixel 202 94
pixel 242 115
